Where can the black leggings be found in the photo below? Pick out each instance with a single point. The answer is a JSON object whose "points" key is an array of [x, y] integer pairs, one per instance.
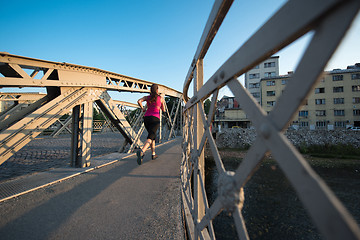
{"points": [[152, 124]]}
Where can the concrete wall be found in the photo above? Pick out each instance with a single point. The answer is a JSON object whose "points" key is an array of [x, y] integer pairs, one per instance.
{"points": [[239, 138]]}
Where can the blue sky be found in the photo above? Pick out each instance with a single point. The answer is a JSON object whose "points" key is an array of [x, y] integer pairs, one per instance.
{"points": [[151, 40]]}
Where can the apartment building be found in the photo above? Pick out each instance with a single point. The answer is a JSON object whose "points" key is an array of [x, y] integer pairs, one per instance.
{"points": [[334, 103], [229, 114], [268, 68]]}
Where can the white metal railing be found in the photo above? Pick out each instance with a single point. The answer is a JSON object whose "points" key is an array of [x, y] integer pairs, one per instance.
{"points": [[329, 20]]}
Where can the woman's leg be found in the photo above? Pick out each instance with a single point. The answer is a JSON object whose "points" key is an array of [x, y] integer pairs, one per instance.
{"points": [[153, 155], [153, 147], [147, 144]]}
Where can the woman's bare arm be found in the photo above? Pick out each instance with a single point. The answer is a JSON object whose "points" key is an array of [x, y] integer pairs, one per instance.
{"points": [[162, 104], [140, 101]]}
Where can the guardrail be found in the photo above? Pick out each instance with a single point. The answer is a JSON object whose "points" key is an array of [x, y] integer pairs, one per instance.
{"points": [[329, 20]]}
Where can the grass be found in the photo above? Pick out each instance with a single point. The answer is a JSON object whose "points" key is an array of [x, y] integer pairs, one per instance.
{"points": [[339, 151]]}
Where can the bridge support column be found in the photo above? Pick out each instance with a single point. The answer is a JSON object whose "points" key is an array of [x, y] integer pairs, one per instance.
{"points": [[82, 117]]}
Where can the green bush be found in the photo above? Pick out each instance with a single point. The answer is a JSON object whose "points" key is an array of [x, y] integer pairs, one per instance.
{"points": [[328, 150]]}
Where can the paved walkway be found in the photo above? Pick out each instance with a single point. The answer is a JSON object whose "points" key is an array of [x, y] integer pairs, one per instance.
{"points": [[45, 152], [118, 201]]}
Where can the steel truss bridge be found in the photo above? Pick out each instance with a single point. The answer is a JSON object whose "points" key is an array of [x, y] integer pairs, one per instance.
{"points": [[71, 89], [74, 88]]}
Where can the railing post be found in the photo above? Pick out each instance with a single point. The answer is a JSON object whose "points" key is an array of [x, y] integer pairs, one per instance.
{"points": [[199, 132]]}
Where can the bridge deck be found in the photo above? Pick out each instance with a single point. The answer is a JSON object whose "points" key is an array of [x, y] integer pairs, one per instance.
{"points": [[118, 201]]}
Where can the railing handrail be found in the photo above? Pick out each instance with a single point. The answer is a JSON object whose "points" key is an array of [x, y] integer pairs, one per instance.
{"points": [[217, 15]]}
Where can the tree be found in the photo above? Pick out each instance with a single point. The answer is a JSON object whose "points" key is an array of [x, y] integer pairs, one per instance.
{"points": [[97, 115], [207, 105]]}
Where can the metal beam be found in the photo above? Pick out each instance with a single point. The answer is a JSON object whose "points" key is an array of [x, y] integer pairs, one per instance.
{"points": [[69, 75], [23, 131]]}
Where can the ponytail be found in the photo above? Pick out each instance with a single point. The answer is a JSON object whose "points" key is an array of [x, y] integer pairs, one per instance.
{"points": [[153, 93]]}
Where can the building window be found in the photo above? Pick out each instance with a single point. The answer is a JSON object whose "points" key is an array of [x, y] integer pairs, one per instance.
{"points": [[269, 64], [338, 89], [321, 124], [320, 113], [338, 100], [254, 75], [270, 93], [356, 88], [304, 124], [356, 112], [284, 82], [320, 101], [256, 67], [338, 77], [254, 85], [319, 90], [256, 94], [355, 76], [270, 74], [270, 103], [339, 112], [340, 124], [303, 113], [356, 99], [270, 83]]}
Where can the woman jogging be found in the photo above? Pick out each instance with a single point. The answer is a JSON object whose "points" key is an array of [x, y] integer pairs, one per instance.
{"points": [[151, 120]]}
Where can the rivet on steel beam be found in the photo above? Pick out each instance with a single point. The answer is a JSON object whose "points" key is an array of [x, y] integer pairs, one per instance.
{"points": [[215, 80], [222, 74]]}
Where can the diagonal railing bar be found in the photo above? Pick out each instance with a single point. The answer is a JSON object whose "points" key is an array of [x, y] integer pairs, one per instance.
{"points": [[301, 18], [206, 203], [327, 212], [188, 215], [249, 164], [240, 224], [169, 121], [253, 110], [212, 212], [212, 106], [324, 208], [315, 49], [189, 175], [315, 195], [137, 137], [219, 165], [319, 51], [173, 124], [172, 109], [62, 127]]}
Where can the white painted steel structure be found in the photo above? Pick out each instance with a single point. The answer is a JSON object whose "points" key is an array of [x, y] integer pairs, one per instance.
{"points": [[329, 20], [70, 89]]}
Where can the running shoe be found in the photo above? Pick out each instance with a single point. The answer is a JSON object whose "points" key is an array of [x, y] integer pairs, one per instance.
{"points": [[140, 156]]}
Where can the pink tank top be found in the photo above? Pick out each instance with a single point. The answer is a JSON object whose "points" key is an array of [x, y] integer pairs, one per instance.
{"points": [[153, 108]]}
